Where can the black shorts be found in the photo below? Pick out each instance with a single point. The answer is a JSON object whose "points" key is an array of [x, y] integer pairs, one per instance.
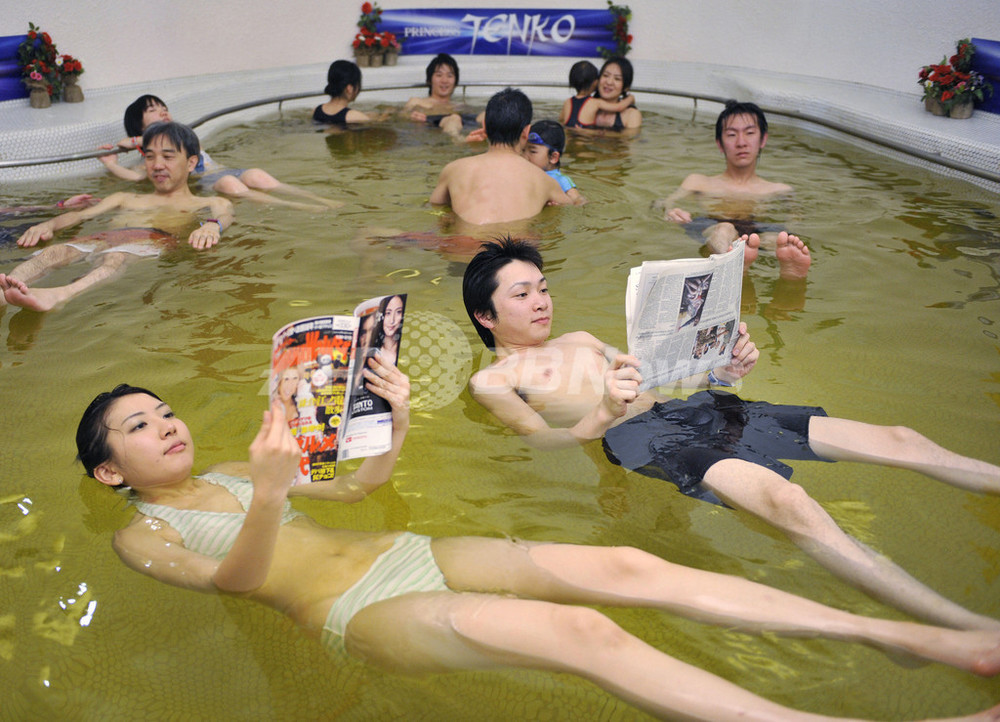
{"points": [[680, 439], [697, 227]]}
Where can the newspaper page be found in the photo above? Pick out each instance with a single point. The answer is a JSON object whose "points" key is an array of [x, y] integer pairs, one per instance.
{"points": [[682, 316], [310, 366], [369, 419]]}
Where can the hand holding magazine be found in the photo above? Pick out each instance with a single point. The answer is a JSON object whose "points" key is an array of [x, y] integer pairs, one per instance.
{"points": [[682, 316], [316, 366]]}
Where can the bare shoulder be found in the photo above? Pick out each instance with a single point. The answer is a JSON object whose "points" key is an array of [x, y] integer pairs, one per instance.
{"points": [[144, 534], [497, 376], [218, 204], [697, 183], [578, 338], [775, 188]]}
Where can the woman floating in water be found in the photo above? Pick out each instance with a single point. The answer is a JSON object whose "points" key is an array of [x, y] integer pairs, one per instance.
{"points": [[415, 605]]}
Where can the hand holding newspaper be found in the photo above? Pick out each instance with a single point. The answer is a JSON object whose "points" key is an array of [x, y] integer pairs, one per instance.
{"points": [[682, 316]]}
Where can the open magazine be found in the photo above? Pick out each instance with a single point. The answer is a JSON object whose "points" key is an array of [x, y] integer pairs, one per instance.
{"points": [[682, 316], [316, 366]]}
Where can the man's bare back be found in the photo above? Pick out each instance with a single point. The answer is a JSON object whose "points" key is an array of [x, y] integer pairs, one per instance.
{"points": [[497, 186]]}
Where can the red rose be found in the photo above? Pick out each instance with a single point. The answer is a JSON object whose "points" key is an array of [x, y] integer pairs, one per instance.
{"points": [[32, 35], [628, 39], [46, 39], [366, 8], [947, 95]]}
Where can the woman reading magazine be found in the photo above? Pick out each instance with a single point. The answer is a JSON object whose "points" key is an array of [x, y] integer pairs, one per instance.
{"points": [[416, 605]]}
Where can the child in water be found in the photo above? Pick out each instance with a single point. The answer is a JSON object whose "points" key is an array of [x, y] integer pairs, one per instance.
{"points": [[581, 110], [546, 142]]}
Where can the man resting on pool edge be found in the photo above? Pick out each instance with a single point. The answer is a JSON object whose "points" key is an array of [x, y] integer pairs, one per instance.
{"points": [[574, 388]]}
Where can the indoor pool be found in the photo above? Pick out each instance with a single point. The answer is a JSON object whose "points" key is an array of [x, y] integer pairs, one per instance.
{"points": [[899, 324]]}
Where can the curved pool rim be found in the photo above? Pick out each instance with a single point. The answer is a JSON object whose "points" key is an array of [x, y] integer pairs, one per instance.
{"points": [[62, 140]]}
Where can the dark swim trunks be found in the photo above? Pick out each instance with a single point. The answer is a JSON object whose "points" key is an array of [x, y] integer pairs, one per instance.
{"points": [[680, 439], [744, 227], [468, 120]]}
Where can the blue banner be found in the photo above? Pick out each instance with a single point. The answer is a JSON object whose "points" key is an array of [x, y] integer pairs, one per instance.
{"points": [[484, 31]]}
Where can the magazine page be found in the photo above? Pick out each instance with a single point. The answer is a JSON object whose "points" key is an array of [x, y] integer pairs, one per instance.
{"points": [[310, 367], [682, 315], [369, 419]]}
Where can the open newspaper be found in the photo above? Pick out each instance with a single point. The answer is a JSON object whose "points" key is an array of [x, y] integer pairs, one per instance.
{"points": [[316, 366], [682, 315]]}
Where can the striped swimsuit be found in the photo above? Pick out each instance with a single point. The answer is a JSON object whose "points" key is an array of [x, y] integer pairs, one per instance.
{"points": [[407, 566]]}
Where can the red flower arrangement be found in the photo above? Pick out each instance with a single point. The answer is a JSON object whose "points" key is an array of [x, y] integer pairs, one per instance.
{"points": [[371, 16], [69, 65], [368, 39], [619, 30], [953, 82], [41, 63]]}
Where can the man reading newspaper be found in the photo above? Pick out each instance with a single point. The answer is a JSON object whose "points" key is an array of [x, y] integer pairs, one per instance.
{"points": [[712, 445]]}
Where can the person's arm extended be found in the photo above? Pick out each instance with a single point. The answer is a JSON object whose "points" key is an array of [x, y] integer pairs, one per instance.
{"points": [[576, 197], [556, 195], [440, 195], [209, 232], [45, 231], [616, 106], [385, 380], [110, 162], [691, 185], [493, 388]]}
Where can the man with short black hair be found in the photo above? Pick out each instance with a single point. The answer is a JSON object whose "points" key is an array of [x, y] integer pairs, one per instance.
{"points": [[171, 153], [500, 185]]}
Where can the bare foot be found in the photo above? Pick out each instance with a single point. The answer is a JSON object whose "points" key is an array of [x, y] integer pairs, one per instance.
{"points": [[752, 249], [17, 293], [793, 256]]}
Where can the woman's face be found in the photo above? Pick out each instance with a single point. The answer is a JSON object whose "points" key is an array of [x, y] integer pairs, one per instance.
{"points": [[155, 113], [393, 317], [443, 82], [149, 445], [610, 85], [289, 383]]}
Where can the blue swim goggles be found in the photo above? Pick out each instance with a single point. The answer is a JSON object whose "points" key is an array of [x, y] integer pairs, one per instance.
{"points": [[536, 139]]}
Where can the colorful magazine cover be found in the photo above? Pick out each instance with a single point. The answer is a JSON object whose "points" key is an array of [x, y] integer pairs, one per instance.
{"points": [[316, 375]]}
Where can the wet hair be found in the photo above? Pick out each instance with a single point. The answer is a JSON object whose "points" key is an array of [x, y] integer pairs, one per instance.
{"points": [[341, 74], [182, 137], [378, 338], [734, 107], [507, 114], [625, 66], [582, 75], [439, 60], [552, 133], [92, 448], [482, 277], [135, 110]]}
